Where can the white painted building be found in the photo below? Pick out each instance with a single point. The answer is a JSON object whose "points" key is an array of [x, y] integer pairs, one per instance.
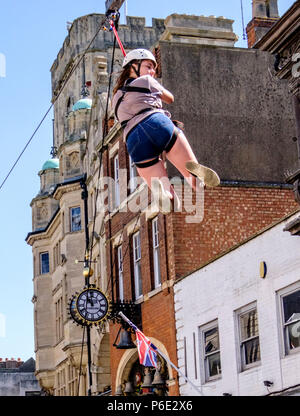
{"points": [[238, 333]]}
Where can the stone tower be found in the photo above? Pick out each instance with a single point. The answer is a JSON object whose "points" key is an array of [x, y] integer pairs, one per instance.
{"points": [[58, 212], [42, 206]]}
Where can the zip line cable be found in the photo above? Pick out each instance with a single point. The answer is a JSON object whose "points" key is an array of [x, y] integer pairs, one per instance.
{"points": [[243, 22], [56, 98], [104, 132], [27, 144]]}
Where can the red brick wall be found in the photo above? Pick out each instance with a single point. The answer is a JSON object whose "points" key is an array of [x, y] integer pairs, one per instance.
{"points": [[253, 24], [231, 215]]}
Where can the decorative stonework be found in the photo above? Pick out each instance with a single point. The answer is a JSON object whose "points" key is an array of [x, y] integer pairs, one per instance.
{"points": [[215, 31], [42, 212]]}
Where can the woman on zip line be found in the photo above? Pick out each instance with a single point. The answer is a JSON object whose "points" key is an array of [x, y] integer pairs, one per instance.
{"points": [[149, 130]]}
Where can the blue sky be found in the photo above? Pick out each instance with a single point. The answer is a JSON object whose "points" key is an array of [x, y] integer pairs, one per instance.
{"points": [[31, 34]]}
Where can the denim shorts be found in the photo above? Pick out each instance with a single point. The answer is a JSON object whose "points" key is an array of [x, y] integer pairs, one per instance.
{"points": [[150, 137]]}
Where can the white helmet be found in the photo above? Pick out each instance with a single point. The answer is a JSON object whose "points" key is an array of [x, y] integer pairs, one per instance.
{"points": [[138, 54]]}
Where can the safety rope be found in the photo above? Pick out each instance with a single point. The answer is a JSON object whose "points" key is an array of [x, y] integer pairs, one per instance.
{"points": [[117, 37]]}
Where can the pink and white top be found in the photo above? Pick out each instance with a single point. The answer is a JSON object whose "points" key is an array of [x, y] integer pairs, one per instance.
{"points": [[134, 102]]}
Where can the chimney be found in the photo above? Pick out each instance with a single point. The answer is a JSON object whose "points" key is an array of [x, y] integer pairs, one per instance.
{"points": [[264, 16]]}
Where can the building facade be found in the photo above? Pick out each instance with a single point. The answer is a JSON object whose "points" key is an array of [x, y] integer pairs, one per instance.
{"points": [[238, 335], [136, 253], [245, 342]]}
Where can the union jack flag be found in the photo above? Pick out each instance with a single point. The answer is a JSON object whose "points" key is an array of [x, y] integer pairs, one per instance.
{"points": [[146, 349]]}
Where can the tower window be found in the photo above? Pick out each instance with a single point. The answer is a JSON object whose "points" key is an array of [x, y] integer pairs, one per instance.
{"points": [[44, 263], [75, 219]]}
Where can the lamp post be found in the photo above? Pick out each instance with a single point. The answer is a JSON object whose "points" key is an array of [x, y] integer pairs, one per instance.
{"points": [[86, 274]]}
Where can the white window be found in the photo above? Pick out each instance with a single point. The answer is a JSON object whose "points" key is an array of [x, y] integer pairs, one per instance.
{"points": [[137, 265], [210, 347], [132, 176], [248, 336], [156, 254], [44, 263], [72, 380], [117, 181], [59, 319], [75, 219], [120, 273], [290, 312]]}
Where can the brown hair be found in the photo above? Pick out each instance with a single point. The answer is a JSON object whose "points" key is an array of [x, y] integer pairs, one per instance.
{"points": [[125, 74]]}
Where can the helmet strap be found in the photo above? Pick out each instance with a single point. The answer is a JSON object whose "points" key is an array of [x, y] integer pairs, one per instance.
{"points": [[138, 70]]}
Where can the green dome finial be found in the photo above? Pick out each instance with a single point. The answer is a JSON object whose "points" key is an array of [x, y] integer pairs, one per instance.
{"points": [[51, 164], [83, 104]]}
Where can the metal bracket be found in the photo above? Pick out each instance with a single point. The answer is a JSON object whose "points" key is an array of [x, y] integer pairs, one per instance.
{"points": [[113, 5]]}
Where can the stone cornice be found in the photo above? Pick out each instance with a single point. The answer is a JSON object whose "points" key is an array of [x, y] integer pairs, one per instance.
{"points": [[65, 188], [46, 232], [110, 136], [39, 198]]}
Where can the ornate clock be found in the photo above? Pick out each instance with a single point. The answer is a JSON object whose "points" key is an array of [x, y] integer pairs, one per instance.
{"points": [[89, 307]]}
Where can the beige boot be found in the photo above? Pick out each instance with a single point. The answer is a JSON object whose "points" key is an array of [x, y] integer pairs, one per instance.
{"points": [[161, 197], [205, 174]]}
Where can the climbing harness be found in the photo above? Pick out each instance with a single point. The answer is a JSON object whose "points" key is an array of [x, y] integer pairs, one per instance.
{"points": [[127, 88], [137, 55]]}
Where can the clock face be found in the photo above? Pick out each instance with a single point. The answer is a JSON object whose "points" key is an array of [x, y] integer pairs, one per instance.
{"points": [[92, 305]]}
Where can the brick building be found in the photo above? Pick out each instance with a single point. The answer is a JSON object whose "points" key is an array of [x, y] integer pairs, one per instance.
{"points": [[236, 121]]}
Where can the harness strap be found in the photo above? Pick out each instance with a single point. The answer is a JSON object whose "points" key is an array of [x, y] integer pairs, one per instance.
{"points": [[172, 141], [145, 110], [147, 164], [128, 88]]}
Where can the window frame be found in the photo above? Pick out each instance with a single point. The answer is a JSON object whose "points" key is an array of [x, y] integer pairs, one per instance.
{"points": [[120, 273], [281, 294], [72, 380], [138, 285], [71, 219], [59, 319], [156, 252], [116, 165], [242, 342], [61, 382], [41, 262], [133, 176], [204, 357]]}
